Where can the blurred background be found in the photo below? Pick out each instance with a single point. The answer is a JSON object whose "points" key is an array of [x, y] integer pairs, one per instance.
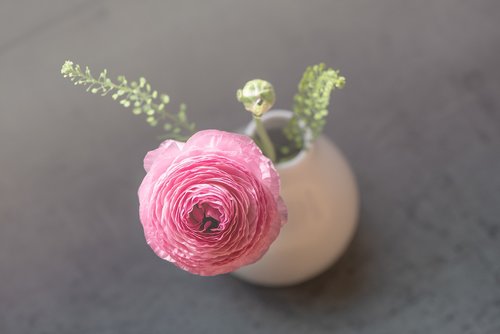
{"points": [[419, 120]]}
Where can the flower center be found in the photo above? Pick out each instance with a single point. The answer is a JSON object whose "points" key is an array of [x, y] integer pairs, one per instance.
{"points": [[206, 223], [213, 224]]}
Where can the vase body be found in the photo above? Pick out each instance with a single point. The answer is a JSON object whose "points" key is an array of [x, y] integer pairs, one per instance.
{"points": [[320, 192]]}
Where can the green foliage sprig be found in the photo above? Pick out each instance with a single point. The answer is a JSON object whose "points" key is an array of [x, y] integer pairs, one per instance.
{"points": [[137, 94], [311, 103]]}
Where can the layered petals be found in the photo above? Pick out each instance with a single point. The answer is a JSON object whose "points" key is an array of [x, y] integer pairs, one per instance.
{"points": [[212, 204]]}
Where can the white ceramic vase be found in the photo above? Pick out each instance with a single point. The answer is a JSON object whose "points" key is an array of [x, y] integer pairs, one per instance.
{"points": [[320, 192]]}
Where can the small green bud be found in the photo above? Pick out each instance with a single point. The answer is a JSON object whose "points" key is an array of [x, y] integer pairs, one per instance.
{"points": [[122, 80], [257, 96], [182, 115], [340, 83], [67, 68], [164, 98]]}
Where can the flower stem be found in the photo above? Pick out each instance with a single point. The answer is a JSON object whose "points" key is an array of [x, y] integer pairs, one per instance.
{"points": [[267, 144]]}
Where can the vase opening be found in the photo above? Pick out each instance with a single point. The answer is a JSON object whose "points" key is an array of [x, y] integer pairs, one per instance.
{"points": [[286, 151]]}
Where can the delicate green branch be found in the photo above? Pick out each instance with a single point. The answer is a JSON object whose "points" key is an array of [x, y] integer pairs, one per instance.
{"points": [[137, 95], [311, 103]]}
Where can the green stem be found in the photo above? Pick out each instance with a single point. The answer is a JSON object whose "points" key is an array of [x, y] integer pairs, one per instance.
{"points": [[267, 144]]}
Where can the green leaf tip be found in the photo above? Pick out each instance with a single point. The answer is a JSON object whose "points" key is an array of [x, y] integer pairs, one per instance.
{"points": [[136, 94], [67, 68]]}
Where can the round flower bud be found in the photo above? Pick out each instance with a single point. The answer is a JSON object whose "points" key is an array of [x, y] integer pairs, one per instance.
{"points": [[257, 96]]}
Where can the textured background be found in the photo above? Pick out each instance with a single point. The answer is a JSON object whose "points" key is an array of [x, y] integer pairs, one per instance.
{"points": [[419, 120]]}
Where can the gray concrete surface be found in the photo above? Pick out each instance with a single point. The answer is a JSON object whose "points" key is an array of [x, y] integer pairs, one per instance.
{"points": [[419, 121]]}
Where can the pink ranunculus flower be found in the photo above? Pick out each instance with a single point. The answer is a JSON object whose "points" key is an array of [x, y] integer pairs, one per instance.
{"points": [[212, 204]]}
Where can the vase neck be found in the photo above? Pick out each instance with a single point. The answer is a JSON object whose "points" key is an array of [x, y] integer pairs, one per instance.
{"points": [[277, 120]]}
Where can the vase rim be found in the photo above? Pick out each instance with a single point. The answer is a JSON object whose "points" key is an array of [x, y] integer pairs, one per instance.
{"points": [[278, 115]]}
